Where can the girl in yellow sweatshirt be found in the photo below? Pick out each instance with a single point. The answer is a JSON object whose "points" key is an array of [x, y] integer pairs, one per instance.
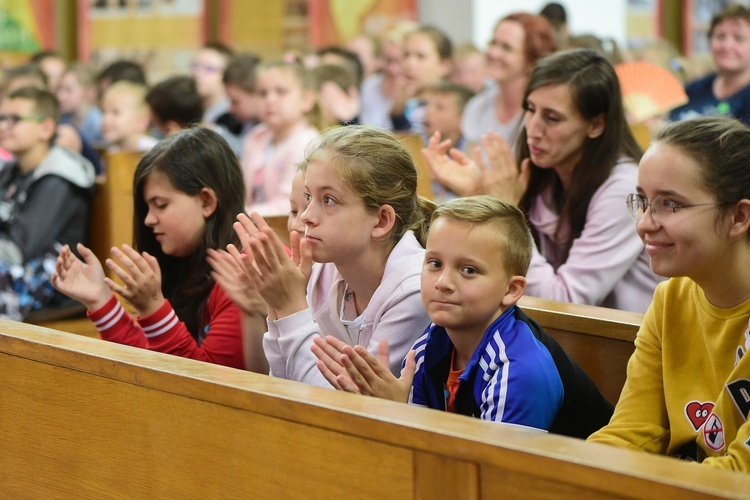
{"points": [[688, 386]]}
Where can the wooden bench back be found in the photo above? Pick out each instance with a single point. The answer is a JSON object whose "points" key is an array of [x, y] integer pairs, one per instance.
{"points": [[87, 418], [413, 144], [112, 210], [600, 340]]}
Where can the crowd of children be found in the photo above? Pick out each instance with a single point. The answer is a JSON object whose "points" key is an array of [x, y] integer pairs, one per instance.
{"points": [[379, 291]]}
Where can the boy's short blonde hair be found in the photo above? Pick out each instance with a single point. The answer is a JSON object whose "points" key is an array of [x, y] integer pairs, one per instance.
{"points": [[135, 90], [514, 236]]}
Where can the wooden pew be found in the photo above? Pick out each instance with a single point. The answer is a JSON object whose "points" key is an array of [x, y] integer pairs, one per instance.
{"points": [[600, 340], [278, 224], [112, 210], [413, 144], [87, 418]]}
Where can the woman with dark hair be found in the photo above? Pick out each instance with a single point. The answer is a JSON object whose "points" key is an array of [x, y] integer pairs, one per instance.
{"points": [[578, 161], [187, 191]]}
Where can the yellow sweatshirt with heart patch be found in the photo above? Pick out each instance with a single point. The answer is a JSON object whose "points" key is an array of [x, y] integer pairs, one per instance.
{"points": [[688, 381]]}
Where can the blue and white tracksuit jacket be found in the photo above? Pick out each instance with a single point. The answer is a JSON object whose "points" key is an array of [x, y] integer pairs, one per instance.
{"points": [[517, 374]]}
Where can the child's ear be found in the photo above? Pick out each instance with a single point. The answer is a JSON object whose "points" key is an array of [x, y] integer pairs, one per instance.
{"points": [[208, 202], [515, 290], [171, 127], [308, 100], [447, 65], [144, 120], [740, 219], [49, 127], [386, 220]]}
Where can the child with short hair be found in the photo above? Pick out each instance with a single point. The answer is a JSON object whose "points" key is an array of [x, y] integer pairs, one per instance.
{"points": [[445, 106], [175, 104], [186, 193], [53, 65], [481, 356], [338, 96], [208, 69], [45, 198], [77, 94], [126, 117], [469, 67], [273, 149], [239, 85]]}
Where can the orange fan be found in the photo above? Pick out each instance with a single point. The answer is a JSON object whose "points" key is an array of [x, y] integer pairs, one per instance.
{"points": [[648, 90]]}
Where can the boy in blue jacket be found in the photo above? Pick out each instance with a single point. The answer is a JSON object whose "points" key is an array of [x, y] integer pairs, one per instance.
{"points": [[481, 356]]}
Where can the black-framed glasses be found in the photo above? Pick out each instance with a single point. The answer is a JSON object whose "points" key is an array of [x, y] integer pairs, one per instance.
{"points": [[661, 207], [14, 119]]}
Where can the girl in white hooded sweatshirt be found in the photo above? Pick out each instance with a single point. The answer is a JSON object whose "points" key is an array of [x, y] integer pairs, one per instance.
{"points": [[365, 230]]}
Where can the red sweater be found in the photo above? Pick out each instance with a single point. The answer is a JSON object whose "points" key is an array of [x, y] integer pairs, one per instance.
{"points": [[164, 332]]}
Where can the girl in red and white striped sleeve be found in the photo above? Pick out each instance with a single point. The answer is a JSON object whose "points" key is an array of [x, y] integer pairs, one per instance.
{"points": [[187, 191]]}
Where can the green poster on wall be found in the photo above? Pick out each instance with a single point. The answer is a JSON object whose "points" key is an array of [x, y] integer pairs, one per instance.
{"points": [[18, 30]]}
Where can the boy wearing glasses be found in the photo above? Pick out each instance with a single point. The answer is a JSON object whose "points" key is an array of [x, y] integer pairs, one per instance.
{"points": [[45, 196], [208, 70]]}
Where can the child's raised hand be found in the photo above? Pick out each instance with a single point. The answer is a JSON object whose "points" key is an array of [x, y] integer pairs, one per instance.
{"points": [[235, 282], [342, 104], [141, 278], [82, 280], [453, 169], [502, 178], [280, 280]]}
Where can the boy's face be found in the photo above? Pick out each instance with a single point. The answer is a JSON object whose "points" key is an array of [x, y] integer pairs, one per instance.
{"points": [[71, 94], [208, 70], [243, 105], [29, 131], [123, 118], [464, 281], [442, 115]]}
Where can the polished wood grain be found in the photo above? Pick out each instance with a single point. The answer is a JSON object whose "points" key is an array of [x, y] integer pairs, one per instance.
{"points": [[599, 339], [87, 418], [112, 210], [413, 144], [278, 223]]}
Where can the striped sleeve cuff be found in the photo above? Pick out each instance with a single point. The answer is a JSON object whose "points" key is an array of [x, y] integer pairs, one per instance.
{"points": [[160, 322]]}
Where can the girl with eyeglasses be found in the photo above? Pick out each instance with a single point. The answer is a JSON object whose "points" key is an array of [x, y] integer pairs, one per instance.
{"points": [[578, 161], [689, 378]]}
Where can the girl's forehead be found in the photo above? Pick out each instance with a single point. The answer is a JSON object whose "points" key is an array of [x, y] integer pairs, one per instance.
{"points": [[324, 174], [665, 167], [157, 180]]}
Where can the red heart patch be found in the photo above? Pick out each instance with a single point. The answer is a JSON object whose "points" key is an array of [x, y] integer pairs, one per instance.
{"points": [[698, 413]]}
